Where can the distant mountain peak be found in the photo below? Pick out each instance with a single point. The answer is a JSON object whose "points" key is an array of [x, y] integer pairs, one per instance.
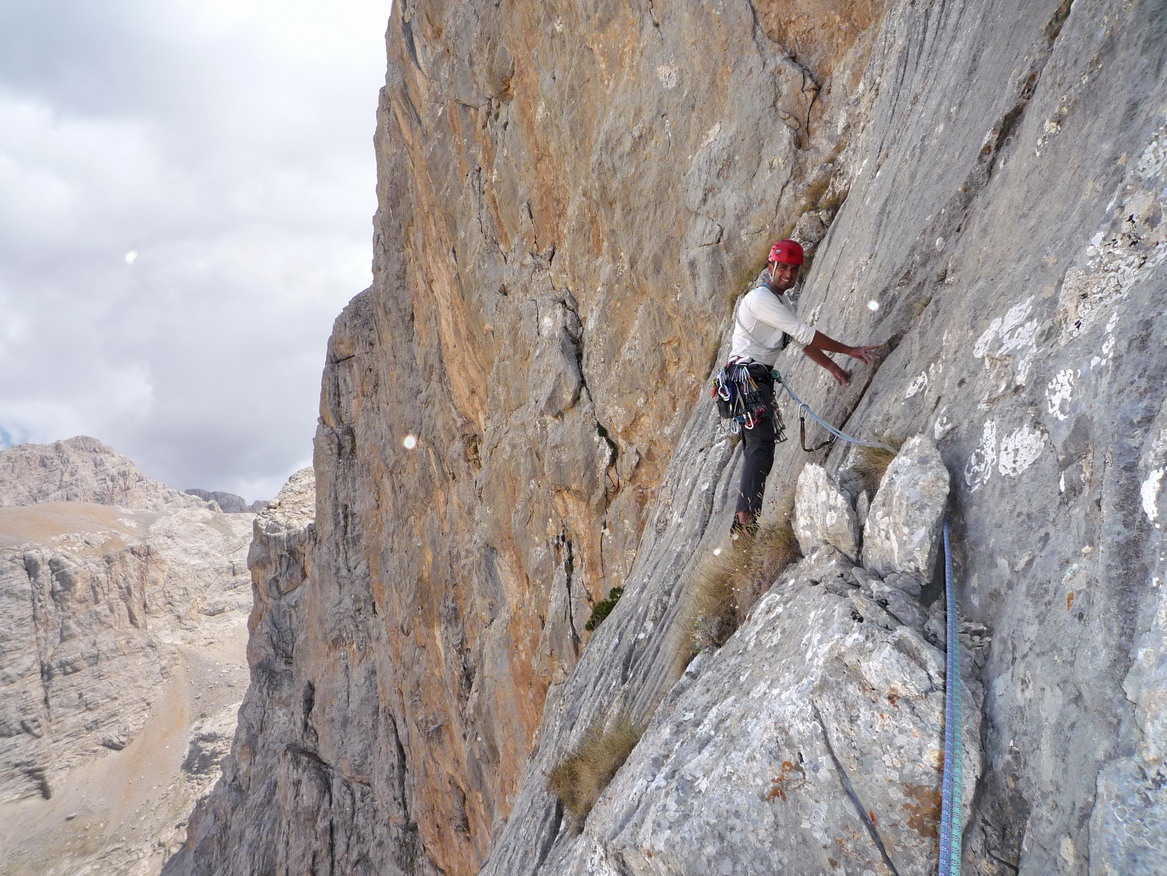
{"points": [[80, 469]]}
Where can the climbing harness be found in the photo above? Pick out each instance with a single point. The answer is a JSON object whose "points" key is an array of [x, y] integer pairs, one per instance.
{"points": [[951, 796], [742, 400]]}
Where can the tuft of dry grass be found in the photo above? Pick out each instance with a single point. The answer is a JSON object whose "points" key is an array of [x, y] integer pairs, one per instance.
{"points": [[727, 586], [580, 778], [871, 463]]}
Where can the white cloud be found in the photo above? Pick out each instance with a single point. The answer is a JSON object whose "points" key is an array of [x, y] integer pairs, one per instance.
{"points": [[228, 145]]}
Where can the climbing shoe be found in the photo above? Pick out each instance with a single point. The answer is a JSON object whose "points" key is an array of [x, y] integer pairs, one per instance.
{"points": [[737, 529]]}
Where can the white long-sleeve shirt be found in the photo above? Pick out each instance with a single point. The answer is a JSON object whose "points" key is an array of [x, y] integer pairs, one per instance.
{"points": [[761, 320]]}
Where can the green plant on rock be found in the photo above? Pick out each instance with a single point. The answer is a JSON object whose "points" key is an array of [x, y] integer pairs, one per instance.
{"points": [[580, 778], [603, 608]]}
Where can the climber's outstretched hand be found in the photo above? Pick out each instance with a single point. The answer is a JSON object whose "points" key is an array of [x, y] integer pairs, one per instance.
{"points": [[866, 355]]}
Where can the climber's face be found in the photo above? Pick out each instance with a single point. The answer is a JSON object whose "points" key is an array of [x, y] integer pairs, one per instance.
{"points": [[783, 276]]}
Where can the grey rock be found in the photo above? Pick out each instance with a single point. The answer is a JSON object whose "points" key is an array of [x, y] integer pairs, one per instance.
{"points": [[279, 746], [862, 507], [228, 503], [844, 746], [823, 513], [902, 533], [906, 583], [80, 469], [80, 666], [108, 614], [210, 742], [899, 594]]}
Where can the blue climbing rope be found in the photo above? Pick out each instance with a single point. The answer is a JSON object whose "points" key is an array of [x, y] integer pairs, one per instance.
{"points": [[950, 806], [803, 406]]}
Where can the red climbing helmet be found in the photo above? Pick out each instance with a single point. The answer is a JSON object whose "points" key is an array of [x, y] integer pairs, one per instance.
{"points": [[786, 252]]}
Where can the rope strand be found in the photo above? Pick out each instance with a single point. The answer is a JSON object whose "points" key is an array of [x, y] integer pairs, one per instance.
{"points": [[803, 406], [951, 799]]}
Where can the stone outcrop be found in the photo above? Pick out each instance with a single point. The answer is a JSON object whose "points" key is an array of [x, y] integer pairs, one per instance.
{"points": [[228, 502], [570, 199], [121, 629], [903, 527], [253, 794], [824, 514], [81, 469]]}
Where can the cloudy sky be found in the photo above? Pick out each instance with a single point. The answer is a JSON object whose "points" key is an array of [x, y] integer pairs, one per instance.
{"points": [[186, 201]]}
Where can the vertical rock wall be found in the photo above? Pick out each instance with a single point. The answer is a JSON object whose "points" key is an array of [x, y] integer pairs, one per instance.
{"points": [[570, 198]]}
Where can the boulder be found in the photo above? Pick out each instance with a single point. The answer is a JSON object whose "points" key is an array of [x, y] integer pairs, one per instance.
{"points": [[903, 526], [824, 513]]}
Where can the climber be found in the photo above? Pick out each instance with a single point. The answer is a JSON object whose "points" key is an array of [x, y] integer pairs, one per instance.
{"points": [[765, 316]]}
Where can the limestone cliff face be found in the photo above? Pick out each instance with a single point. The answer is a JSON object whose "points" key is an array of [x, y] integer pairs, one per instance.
{"points": [[122, 606], [571, 197]]}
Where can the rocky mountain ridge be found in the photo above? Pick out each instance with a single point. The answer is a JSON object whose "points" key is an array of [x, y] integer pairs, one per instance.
{"points": [[81, 469], [228, 502], [122, 623], [810, 742], [570, 199]]}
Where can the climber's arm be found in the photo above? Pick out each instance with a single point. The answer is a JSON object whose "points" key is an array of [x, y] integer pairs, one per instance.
{"points": [[820, 358], [821, 344], [863, 354]]}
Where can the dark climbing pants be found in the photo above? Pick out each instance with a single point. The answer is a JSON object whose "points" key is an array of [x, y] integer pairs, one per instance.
{"points": [[758, 450]]}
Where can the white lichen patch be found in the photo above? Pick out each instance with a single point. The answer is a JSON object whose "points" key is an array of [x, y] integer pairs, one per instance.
{"points": [[1150, 494], [918, 383], [668, 75], [1060, 392], [1019, 450], [981, 462], [1013, 335], [943, 425], [1107, 345], [923, 379]]}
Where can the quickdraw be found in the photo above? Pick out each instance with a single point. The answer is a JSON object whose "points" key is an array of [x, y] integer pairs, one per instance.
{"points": [[802, 411]]}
